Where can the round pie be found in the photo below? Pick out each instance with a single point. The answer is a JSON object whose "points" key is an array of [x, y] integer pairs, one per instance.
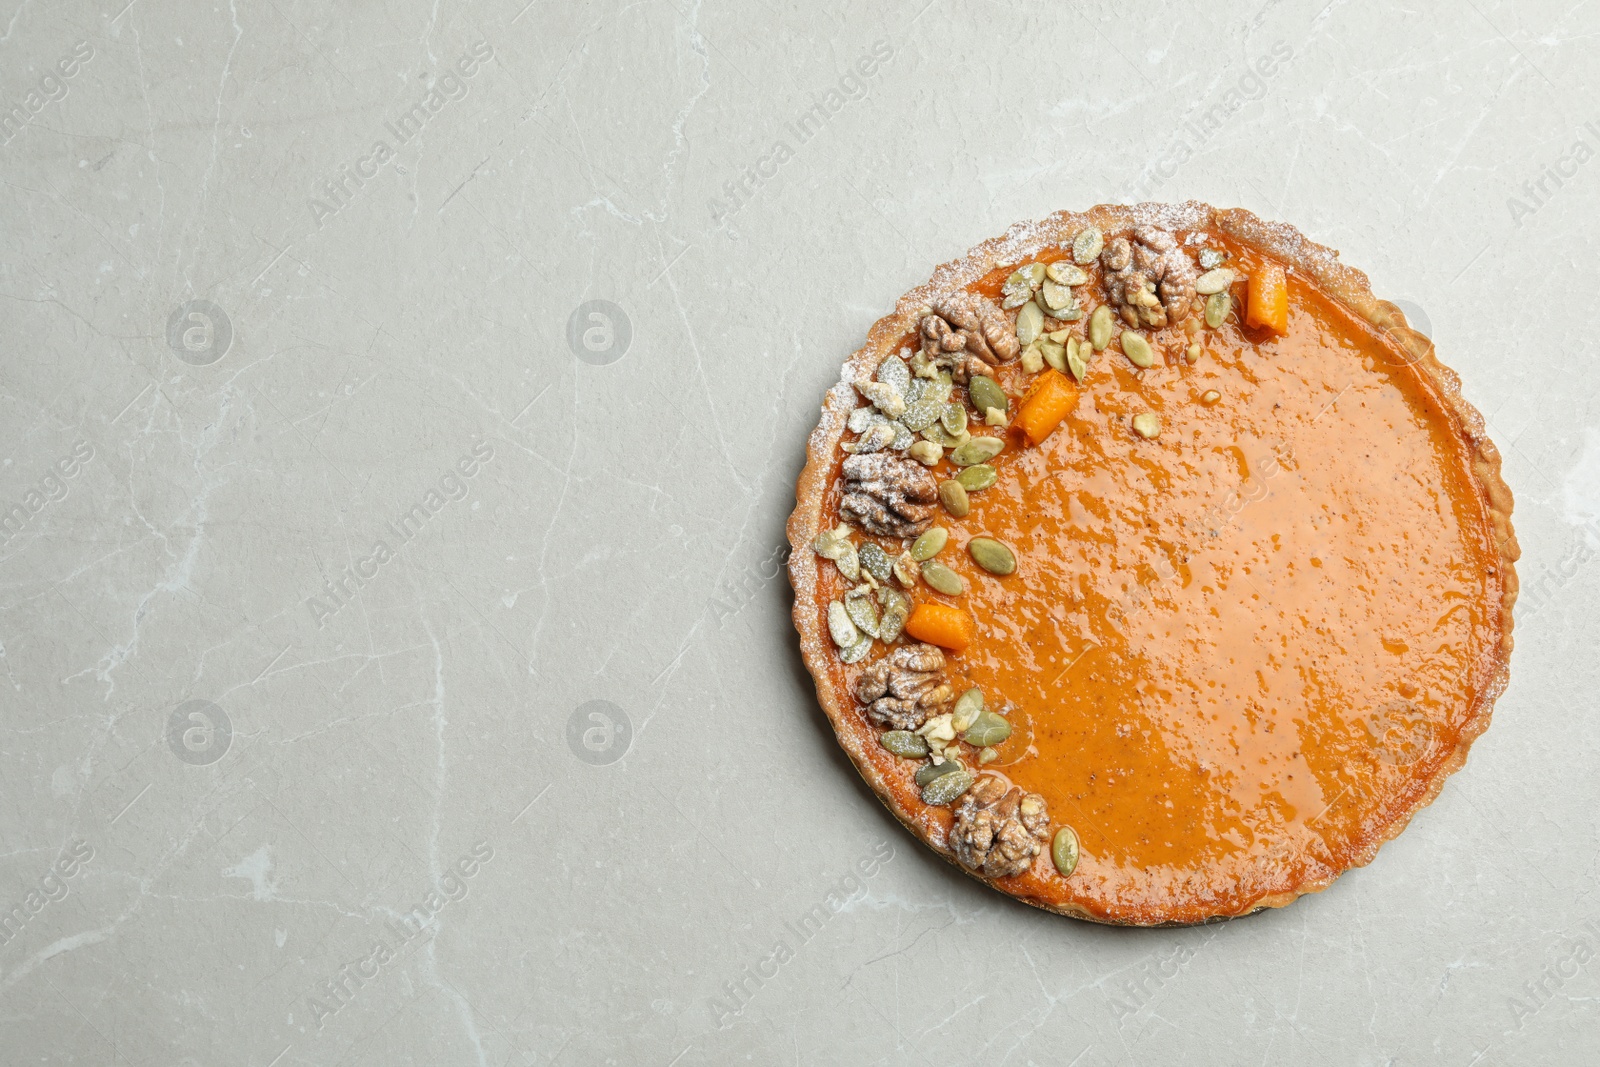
{"points": [[1149, 568]]}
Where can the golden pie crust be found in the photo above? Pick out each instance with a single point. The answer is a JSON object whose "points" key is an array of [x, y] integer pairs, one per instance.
{"points": [[1127, 894]]}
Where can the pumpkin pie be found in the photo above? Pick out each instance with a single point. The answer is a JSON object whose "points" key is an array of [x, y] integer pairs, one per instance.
{"points": [[1149, 568]]}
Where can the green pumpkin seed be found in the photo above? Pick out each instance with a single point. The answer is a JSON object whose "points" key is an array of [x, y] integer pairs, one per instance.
{"points": [[856, 652], [1054, 354], [977, 450], [942, 578], [840, 627], [1034, 272], [985, 393], [1030, 323], [922, 414], [896, 610], [894, 372], [930, 544], [954, 420], [1213, 281], [987, 729], [1065, 273], [1064, 851], [877, 561], [1147, 425], [977, 477], [1056, 296], [946, 788], [1100, 327], [967, 708], [1075, 363], [904, 743], [1211, 257], [862, 613], [1217, 307], [1087, 245], [992, 556], [932, 771], [1137, 349], [954, 498]]}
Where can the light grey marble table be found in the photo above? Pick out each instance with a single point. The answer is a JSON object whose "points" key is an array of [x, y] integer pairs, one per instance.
{"points": [[395, 661]]}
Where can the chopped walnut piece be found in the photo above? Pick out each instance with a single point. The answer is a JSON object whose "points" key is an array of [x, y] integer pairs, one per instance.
{"points": [[968, 334], [888, 495], [903, 687], [998, 830], [1150, 280]]}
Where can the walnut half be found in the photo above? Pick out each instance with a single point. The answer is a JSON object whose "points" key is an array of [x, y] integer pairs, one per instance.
{"points": [[968, 333], [888, 495], [902, 688], [998, 831], [1150, 280]]}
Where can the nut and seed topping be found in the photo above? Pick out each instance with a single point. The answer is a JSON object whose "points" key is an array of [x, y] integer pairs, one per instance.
{"points": [[903, 688], [930, 544], [1149, 279], [1147, 424], [977, 450], [988, 729], [1056, 297], [1063, 273], [1211, 257], [1033, 358], [1213, 281], [876, 561], [965, 331], [977, 477], [904, 743], [954, 420], [1054, 354], [928, 772], [859, 607], [986, 395], [1087, 245], [1064, 851], [1209, 397], [888, 495], [1192, 353], [992, 556], [1218, 305], [840, 628], [835, 545], [926, 453], [965, 711], [954, 498], [1137, 349], [946, 788], [942, 578], [997, 830], [1075, 361], [1100, 327], [1030, 323], [896, 610]]}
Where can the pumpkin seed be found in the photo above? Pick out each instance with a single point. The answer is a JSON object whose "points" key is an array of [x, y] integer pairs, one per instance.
{"points": [[942, 578], [1217, 307], [856, 652], [1054, 354], [946, 788], [992, 556], [896, 610], [1056, 296], [985, 393], [987, 729], [902, 437], [1209, 397], [1034, 272], [954, 419], [1069, 314], [987, 756], [937, 434], [937, 389], [922, 414], [928, 772], [849, 563], [917, 390], [1065, 273], [1211, 257], [1087, 245], [1030, 322], [977, 450], [1147, 425], [840, 628], [1016, 291], [904, 743], [954, 498], [1075, 363], [894, 373], [1100, 327], [930, 544], [968, 707], [1137, 349], [1064, 851], [1213, 281], [830, 544], [976, 477], [865, 617], [877, 561], [865, 418]]}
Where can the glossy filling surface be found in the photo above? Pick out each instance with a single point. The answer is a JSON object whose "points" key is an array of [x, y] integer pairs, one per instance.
{"points": [[1236, 653]]}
